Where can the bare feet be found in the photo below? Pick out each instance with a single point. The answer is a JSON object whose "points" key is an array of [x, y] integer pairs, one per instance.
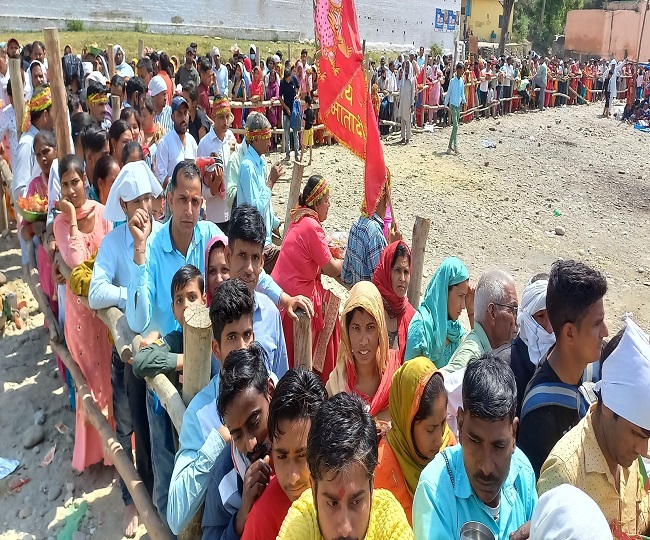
{"points": [[130, 521]]}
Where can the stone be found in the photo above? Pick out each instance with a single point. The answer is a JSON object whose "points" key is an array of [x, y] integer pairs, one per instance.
{"points": [[3, 279], [39, 416], [640, 270], [78, 535], [581, 252], [487, 163], [54, 492], [29, 537], [37, 449], [560, 231], [280, 200], [69, 487], [32, 436], [25, 512]]}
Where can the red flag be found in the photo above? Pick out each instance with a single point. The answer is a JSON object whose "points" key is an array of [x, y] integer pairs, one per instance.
{"points": [[343, 92]]}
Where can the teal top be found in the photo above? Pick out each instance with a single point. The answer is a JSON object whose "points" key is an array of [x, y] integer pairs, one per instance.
{"points": [[431, 326]]}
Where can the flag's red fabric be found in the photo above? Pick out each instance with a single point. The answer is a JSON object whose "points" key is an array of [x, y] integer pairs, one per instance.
{"points": [[343, 92]]}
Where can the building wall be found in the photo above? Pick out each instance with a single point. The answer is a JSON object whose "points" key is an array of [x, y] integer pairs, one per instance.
{"points": [[412, 23], [483, 19], [608, 33]]}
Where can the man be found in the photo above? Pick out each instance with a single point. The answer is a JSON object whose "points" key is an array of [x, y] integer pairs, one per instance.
{"points": [[181, 241], [97, 104], [342, 456], [132, 190], [366, 241], [145, 70], [118, 88], [387, 87], [486, 478], [163, 112], [539, 81], [535, 336], [177, 145], [136, 91], [13, 48], [454, 98], [242, 471], [421, 58], [205, 75], [303, 60], [253, 186], [296, 400], [554, 401], [187, 72], [220, 73], [8, 124], [508, 81], [495, 319], [289, 86], [601, 455], [219, 141]]}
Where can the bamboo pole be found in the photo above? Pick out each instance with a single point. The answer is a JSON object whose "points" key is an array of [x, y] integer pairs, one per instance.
{"points": [[111, 61], [124, 465], [30, 273], [116, 105], [420, 235], [6, 178], [302, 347], [169, 397], [17, 92], [140, 49], [197, 351], [294, 192], [59, 97]]}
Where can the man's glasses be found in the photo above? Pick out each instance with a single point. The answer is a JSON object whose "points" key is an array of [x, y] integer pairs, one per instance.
{"points": [[512, 309]]}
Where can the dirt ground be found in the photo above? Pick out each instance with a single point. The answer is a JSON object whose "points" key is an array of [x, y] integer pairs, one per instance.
{"points": [[492, 207]]}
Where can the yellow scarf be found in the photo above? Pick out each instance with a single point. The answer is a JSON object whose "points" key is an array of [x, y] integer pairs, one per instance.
{"points": [[406, 392], [387, 519]]}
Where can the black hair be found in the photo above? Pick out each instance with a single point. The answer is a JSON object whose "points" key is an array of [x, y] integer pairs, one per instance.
{"points": [[132, 147], [145, 63], [304, 51], [71, 163], [308, 99], [279, 54], [128, 113], [312, 182], [247, 224], [154, 57], [38, 44], [188, 169], [148, 104], [74, 102], [400, 251], [435, 387], [298, 396], [118, 80], [342, 433], [79, 122], [192, 90], [165, 64], [287, 73], [94, 139], [230, 303], [102, 168], [242, 369], [539, 277], [117, 129], [489, 389], [610, 346], [183, 276], [133, 85], [45, 137], [96, 88], [573, 287], [350, 314], [9, 90], [205, 65]]}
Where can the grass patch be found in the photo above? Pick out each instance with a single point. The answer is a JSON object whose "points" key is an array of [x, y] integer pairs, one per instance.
{"points": [[74, 25], [140, 27]]}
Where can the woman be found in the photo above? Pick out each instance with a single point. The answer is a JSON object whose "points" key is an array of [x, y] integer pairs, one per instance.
{"points": [[434, 94], [238, 93], [79, 230], [121, 65], [305, 254], [470, 92], [132, 118], [419, 430], [376, 102], [256, 90], [364, 364], [273, 114], [435, 331], [216, 268], [34, 77], [392, 277], [119, 134], [106, 170], [152, 132]]}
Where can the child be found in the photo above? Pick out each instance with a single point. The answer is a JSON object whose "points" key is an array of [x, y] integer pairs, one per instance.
{"points": [[216, 269], [490, 99], [308, 133], [79, 230]]}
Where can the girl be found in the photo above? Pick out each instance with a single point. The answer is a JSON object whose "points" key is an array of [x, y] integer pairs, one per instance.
{"points": [[79, 230], [256, 89], [106, 171], [132, 118], [216, 268], [238, 94], [119, 134]]}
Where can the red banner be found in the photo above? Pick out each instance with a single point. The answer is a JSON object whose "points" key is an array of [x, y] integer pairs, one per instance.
{"points": [[343, 92]]}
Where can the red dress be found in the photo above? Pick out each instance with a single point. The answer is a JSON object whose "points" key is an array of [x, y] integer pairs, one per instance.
{"points": [[266, 517]]}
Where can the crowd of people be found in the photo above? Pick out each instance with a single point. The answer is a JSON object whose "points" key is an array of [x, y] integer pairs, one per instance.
{"points": [[408, 426]]}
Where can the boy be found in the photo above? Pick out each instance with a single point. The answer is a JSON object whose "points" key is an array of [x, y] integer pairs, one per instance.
{"points": [[308, 134], [202, 437], [295, 402]]}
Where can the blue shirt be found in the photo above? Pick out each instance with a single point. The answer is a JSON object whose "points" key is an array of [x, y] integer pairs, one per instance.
{"points": [[267, 326], [441, 508], [111, 277], [149, 301], [252, 189], [165, 119], [456, 93], [366, 242]]}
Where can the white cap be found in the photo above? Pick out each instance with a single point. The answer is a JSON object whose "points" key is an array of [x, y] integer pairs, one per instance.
{"points": [[626, 377], [135, 179], [215, 51], [96, 77], [157, 85]]}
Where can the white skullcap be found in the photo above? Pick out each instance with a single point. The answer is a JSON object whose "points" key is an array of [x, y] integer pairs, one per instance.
{"points": [[157, 85], [567, 513], [135, 179], [215, 51], [88, 67], [538, 340], [626, 377], [96, 77]]}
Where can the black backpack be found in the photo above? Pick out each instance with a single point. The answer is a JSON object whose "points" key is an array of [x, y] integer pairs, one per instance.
{"points": [[72, 69]]}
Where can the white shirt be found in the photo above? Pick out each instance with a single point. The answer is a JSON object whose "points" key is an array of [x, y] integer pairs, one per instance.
{"points": [[25, 166], [8, 128], [509, 71], [483, 87], [216, 208], [4, 79], [171, 152]]}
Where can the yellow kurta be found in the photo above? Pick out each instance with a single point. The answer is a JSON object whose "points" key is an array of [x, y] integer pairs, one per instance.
{"points": [[578, 460]]}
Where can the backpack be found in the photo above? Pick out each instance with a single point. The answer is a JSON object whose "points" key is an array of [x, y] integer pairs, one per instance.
{"points": [[72, 69], [296, 115]]}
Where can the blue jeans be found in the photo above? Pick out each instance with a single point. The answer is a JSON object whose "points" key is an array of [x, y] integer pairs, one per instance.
{"points": [[286, 125], [162, 452], [122, 414]]}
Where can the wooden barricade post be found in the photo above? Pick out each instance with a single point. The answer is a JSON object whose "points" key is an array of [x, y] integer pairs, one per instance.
{"points": [[116, 105], [59, 96], [6, 177], [302, 346], [420, 235], [17, 92], [111, 61], [294, 192], [140, 49], [197, 351]]}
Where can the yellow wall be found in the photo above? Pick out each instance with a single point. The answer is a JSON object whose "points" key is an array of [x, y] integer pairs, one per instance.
{"points": [[484, 18]]}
